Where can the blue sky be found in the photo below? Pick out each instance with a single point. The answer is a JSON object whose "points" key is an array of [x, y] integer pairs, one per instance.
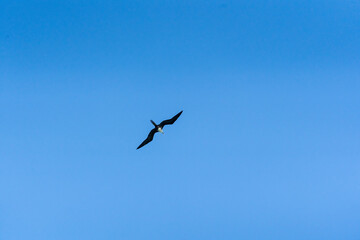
{"points": [[267, 146]]}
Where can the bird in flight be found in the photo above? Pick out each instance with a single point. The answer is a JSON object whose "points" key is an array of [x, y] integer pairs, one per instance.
{"points": [[158, 128]]}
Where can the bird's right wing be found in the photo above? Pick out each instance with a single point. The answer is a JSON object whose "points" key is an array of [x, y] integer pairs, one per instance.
{"points": [[170, 121], [148, 139]]}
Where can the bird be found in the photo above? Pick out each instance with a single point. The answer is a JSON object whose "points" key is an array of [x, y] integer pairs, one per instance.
{"points": [[158, 128]]}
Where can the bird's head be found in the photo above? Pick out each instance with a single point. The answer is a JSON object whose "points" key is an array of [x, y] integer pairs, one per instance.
{"points": [[160, 130]]}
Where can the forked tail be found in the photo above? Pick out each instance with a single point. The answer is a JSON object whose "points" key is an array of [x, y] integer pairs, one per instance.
{"points": [[153, 123]]}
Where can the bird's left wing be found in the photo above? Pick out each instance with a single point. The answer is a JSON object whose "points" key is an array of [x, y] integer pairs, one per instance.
{"points": [[170, 121], [148, 139]]}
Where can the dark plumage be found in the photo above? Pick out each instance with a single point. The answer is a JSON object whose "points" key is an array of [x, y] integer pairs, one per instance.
{"points": [[158, 128]]}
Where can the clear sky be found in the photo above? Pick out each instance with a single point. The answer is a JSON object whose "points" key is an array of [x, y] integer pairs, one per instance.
{"points": [[268, 145]]}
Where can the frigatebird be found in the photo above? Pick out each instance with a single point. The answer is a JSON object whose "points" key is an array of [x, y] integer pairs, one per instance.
{"points": [[158, 128]]}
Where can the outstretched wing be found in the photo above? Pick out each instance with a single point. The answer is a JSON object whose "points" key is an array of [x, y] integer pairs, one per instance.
{"points": [[148, 139], [170, 121]]}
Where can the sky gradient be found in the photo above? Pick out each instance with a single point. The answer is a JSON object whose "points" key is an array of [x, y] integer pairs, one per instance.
{"points": [[268, 145]]}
